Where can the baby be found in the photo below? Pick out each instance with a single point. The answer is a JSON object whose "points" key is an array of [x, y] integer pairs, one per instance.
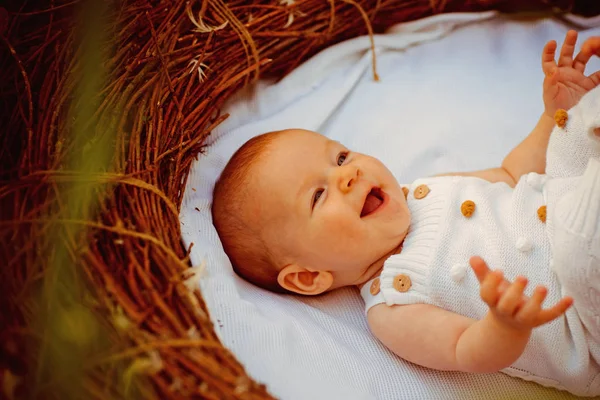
{"points": [[299, 213]]}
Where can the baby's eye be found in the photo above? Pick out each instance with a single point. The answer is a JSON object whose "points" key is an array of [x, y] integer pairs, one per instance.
{"points": [[342, 157], [316, 197]]}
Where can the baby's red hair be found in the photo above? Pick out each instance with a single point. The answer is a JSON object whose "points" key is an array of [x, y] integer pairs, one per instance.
{"points": [[240, 232]]}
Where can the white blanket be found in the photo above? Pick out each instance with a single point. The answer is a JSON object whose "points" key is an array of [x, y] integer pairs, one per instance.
{"points": [[457, 93]]}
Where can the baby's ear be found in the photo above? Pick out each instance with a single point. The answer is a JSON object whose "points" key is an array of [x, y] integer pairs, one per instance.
{"points": [[302, 281]]}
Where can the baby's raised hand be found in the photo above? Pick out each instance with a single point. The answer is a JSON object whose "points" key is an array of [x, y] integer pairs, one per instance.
{"points": [[565, 82], [508, 303]]}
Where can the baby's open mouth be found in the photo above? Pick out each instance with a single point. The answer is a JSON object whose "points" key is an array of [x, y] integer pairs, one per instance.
{"points": [[373, 201]]}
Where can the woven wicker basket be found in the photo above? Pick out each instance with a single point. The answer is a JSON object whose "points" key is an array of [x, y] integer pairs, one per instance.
{"points": [[104, 108]]}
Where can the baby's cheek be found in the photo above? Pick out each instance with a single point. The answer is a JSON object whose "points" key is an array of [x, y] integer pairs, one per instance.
{"points": [[342, 230]]}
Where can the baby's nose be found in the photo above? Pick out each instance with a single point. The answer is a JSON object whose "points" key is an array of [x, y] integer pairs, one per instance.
{"points": [[348, 176]]}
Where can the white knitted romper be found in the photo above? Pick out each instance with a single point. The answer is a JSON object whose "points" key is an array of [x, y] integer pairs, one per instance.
{"points": [[510, 231]]}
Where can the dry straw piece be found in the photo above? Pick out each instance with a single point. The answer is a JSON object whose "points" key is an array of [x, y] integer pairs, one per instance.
{"points": [[101, 121]]}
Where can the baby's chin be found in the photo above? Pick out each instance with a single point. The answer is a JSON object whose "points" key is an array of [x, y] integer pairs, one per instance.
{"points": [[402, 225]]}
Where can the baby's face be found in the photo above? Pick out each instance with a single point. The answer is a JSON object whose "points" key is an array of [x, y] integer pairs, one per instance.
{"points": [[324, 207]]}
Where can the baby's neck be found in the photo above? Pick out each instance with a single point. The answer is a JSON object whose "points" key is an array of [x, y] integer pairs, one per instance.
{"points": [[375, 268]]}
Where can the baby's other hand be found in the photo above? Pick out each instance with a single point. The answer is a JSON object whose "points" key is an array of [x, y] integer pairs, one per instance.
{"points": [[565, 83], [507, 302]]}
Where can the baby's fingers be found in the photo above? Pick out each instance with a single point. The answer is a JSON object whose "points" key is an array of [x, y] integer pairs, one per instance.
{"points": [[590, 47], [479, 267], [548, 63], [512, 297], [489, 288], [528, 314], [554, 312], [566, 52]]}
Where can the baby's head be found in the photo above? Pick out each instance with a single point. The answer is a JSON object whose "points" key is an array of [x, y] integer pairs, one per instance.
{"points": [[298, 212]]}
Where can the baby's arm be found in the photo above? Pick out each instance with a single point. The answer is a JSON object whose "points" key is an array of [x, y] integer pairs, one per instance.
{"points": [[564, 84], [528, 156], [435, 338], [439, 339]]}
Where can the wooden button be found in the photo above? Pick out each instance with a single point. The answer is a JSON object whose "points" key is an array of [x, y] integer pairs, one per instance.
{"points": [[374, 287], [561, 117], [467, 208], [421, 191], [402, 283], [405, 191], [542, 213]]}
